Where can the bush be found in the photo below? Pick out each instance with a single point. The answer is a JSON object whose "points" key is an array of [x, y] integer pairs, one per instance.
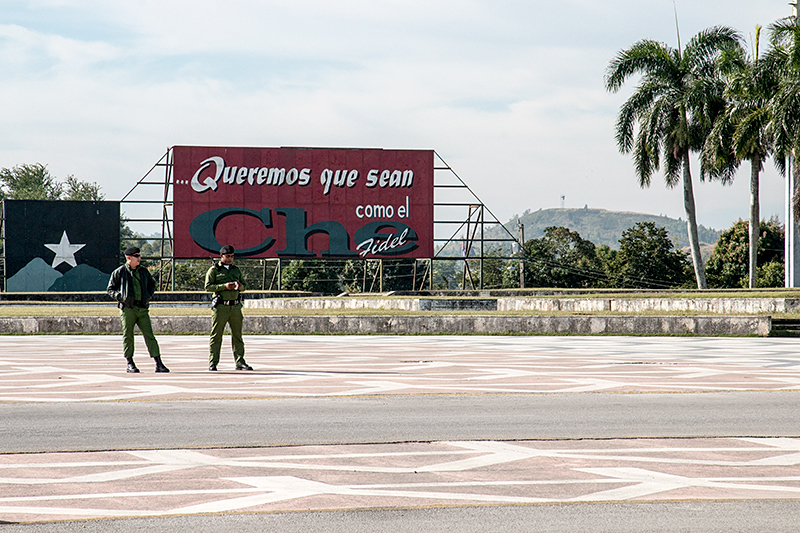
{"points": [[728, 266], [770, 275]]}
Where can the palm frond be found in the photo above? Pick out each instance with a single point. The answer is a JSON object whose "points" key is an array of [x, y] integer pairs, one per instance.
{"points": [[704, 46], [644, 57], [636, 105]]}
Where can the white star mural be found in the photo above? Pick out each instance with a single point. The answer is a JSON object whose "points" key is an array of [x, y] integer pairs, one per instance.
{"points": [[65, 251]]}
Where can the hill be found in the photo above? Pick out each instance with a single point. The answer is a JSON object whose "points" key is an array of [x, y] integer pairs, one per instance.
{"points": [[602, 226]]}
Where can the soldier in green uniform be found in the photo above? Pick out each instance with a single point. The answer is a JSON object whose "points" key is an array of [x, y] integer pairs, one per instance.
{"points": [[225, 279], [132, 287]]}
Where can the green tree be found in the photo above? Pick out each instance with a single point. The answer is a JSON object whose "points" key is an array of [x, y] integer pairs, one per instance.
{"points": [[771, 275], [607, 257], [494, 267], [744, 131], [191, 275], [671, 111], [34, 182], [29, 182], [257, 272], [728, 265], [398, 275], [77, 190], [561, 258], [784, 59], [357, 275], [511, 274], [647, 259], [446, 274], [322, 276]]}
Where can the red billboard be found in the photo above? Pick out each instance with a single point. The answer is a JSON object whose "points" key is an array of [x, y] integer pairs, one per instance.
{"points": [[301, 203]]}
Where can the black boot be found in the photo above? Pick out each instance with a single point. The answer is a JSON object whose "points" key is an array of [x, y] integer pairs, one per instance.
{"points": [[132, 367], [160, 366]]}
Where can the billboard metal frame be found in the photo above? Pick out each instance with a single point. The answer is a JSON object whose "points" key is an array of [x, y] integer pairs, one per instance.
{"points": [[453, 230]]}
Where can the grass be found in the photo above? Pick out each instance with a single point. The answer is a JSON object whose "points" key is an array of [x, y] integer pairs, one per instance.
{"points": [[75, 310], [68, 309], [637, 293]]}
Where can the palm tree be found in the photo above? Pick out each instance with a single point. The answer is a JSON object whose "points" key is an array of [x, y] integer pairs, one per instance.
{"points": [[671, 111], [744, 131], [784, 59]]}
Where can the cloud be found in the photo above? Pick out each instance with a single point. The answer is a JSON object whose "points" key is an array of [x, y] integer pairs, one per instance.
{"points": [[509, 92], [23, 51]]}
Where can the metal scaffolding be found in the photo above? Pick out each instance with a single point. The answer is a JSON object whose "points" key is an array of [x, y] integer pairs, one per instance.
{"points": [[464, 227]]}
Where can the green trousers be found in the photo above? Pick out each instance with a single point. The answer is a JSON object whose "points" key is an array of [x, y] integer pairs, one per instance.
{"points": [[221, 315], [137, 316]]}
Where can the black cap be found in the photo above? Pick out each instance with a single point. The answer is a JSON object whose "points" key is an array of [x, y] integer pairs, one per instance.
{"points": [[227, 249], [130, 250]]}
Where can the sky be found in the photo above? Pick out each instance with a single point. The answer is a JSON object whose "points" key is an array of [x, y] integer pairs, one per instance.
{"points": [[509, 93]]}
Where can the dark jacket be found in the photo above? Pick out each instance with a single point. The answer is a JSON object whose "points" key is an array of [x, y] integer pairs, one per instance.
{"points": [[120, 286]]}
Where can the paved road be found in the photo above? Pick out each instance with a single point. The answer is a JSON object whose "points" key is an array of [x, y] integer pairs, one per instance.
{"points": [[386, 419], [447, 432]]}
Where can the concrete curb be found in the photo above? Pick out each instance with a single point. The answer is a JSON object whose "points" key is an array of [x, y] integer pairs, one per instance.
{"points": [[741, 306], [416, 324], [725, 306]]}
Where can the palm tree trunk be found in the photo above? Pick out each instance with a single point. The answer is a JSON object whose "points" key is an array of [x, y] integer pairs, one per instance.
{"points": [[691, 224], [755, 220], [793, 218], [796, 194]]}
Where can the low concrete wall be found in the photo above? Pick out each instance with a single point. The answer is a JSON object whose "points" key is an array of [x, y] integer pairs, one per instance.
{"points": [[457, 304], [744, 306], [517, 324], [160, 296], [402, 304], [727, 306], [417, 324]]}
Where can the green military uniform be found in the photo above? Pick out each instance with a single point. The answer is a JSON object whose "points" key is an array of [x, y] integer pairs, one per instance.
{"points": [[229, 311]]}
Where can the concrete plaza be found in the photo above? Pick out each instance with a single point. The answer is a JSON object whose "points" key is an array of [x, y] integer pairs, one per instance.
{"points": [[67, 468]]}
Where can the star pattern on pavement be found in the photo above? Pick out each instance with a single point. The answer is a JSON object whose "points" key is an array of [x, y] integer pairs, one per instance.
{"points": [[65, 251], [170, 482], [457, 473], [81, 370]]}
